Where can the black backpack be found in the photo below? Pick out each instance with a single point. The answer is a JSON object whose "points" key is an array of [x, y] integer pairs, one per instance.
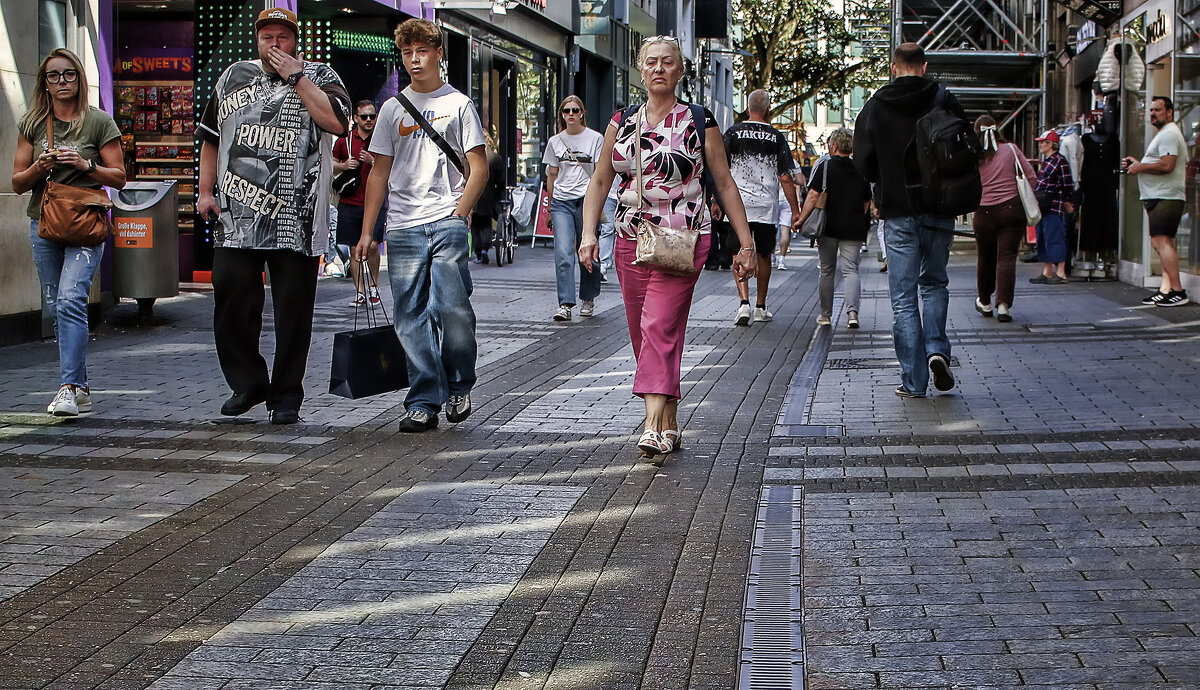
{"points": [[947, 152]]}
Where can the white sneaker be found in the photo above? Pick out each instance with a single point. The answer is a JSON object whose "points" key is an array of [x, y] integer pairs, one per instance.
{"points": [[563, 313], [782, 266], [374, 296], [823, 320], [64, 404], [83, 399], [587, 307], [358, 301], [761, 314], [743, 316]]}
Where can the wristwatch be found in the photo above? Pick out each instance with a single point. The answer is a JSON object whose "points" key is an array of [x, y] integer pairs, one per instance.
{"points": [[294, 79], [91, 167]]}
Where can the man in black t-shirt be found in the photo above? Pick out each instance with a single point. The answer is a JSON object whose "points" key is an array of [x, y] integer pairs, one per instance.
{"points": [[760, 161]]}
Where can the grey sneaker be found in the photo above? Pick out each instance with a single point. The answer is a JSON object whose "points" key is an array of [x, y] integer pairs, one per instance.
{"points": [[563, 313], [83, 398], [761, 314], [416, 420], [458, 408], [587, 308], [63, 404]]}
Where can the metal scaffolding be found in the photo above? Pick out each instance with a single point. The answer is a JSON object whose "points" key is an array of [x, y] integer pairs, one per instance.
{"points": [[991, 53]]}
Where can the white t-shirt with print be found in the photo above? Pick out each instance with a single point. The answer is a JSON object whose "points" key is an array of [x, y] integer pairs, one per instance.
{"points": [[575, 157], [1168, 142], [423, 185]]}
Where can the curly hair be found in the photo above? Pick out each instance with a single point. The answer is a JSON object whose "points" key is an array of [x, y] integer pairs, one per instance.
{"points": [[414, 31]]}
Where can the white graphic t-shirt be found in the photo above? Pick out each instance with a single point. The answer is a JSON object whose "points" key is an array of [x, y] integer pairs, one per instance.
{"points": [[1168, 142], [758, 155], [424, 186], [575, 157], [274, 164]]}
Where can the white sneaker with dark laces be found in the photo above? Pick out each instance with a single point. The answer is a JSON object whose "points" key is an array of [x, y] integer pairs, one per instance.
{"points": [[563, 313], [458, 408], [587, 308], [64, 404]]}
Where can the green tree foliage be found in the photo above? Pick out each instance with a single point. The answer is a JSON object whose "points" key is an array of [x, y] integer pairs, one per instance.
{"points": [[805, 49]]}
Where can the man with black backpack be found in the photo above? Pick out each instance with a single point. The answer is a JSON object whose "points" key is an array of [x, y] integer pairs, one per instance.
{"points": [[913, 142]]}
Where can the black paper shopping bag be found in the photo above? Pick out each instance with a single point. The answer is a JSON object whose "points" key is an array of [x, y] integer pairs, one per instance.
{"points": [[367, 361]]}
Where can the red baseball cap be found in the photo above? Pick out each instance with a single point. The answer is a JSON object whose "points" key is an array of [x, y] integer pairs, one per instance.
{"points": [[1049, 135]]}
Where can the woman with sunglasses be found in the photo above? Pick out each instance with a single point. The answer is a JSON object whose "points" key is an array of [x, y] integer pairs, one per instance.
{"points": [[86, 153], [570, 160], [671, 193]]}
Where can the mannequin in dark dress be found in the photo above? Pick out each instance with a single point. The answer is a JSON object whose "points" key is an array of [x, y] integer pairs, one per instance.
{"points": [[1099, 179]]}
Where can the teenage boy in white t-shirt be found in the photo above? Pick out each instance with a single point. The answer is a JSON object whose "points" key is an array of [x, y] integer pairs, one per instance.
{"points": [[429, 202]]}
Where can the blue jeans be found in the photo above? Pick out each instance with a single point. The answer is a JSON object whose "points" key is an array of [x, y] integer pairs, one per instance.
{"points": [[431, 285], [918, 248], [608, 234], [568, 226], [66, 274], [1052, 239]]}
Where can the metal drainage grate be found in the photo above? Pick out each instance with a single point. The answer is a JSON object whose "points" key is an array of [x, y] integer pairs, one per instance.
{"points": [[871, 363], [772, 656]]}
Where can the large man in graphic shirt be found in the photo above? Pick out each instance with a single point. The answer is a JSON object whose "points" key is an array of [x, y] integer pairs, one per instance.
{"points": [[267, 154]]}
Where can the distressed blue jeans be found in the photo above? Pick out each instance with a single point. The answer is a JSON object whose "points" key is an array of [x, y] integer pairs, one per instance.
{"points": [[431, 285], [608, 234], [568, 232], [66, 274], [918, 248]]}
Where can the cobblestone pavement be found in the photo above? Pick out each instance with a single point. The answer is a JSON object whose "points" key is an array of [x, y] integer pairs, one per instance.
{"points": [[1034, 527]]}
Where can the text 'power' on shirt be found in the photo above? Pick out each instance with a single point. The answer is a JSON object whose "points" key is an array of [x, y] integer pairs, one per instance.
{"points": [[423, 185], [575, 157], [274, 164]]}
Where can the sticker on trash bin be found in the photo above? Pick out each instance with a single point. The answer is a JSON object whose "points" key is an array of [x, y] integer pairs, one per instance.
{"points": [[134, 233]]}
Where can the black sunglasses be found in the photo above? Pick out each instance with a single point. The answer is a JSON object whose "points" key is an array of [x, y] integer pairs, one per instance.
{"points": [[572, 111], [367, 116]]}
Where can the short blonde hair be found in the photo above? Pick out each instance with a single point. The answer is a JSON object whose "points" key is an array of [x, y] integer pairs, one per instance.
{"points": [[656, 40], [843, 140]]}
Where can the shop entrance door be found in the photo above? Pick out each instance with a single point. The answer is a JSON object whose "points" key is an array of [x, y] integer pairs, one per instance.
{"points": [[504, 110]]}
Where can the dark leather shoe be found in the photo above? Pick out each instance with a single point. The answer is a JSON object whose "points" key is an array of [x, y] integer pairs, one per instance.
{"points": [[241, 403], [285, 416]]}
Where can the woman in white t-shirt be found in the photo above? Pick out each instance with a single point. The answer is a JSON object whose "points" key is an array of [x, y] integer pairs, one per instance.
{"points": [[570, 160]]}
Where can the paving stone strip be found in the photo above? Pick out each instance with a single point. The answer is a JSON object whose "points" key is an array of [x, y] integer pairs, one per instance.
{"points": [[398, 601], [53, 518]]}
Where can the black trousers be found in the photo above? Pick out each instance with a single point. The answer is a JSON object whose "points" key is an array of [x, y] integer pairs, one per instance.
{"points": [[237, 321]]}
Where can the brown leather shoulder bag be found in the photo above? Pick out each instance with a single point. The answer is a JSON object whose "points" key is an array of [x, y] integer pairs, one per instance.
{"points": [[75, 216]]}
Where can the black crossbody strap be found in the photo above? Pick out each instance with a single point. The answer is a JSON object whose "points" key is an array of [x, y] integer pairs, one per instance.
{"points": [[438, 139]]}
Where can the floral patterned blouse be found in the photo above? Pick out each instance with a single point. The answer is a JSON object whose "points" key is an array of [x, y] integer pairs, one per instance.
{"points": [[672, 166]]}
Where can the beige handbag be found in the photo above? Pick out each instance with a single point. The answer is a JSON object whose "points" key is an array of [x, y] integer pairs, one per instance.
{"points": [[661, 247]]}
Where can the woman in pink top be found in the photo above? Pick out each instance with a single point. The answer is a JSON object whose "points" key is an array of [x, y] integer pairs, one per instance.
{"points": [[1000, 221], [673, 163]]}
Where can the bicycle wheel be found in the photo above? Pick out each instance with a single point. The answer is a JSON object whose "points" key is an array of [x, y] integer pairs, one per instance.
{"points": [[510, 239], [499, 240]]}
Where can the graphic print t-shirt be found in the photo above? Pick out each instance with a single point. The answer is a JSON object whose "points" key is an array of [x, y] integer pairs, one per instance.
{"points": [[758, 155], [575, 157], [98, 129], [274, 164], [424, 185]]}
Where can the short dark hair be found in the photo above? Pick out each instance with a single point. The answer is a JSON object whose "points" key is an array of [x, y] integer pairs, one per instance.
{"points": [[1166, 102], [365, 101], [909, 55]]}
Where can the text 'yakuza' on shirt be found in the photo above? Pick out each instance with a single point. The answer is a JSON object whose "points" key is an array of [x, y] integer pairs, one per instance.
{"points": [[274, 164]]}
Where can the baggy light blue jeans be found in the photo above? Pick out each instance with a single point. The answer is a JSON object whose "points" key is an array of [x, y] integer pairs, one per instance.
{"points": [[608, 234], [918, 249], [66, 274], [568, 232], [431, 286]]}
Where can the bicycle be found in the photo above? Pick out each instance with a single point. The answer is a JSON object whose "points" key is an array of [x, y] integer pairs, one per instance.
{"points": [[505, 240]]}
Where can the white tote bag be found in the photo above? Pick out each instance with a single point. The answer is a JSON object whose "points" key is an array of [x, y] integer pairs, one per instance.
{"points": [[1029, 202]]}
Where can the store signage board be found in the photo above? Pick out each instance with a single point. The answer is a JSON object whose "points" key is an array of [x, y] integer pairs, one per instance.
{"points": [[1159, 29], [152, 51]]}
